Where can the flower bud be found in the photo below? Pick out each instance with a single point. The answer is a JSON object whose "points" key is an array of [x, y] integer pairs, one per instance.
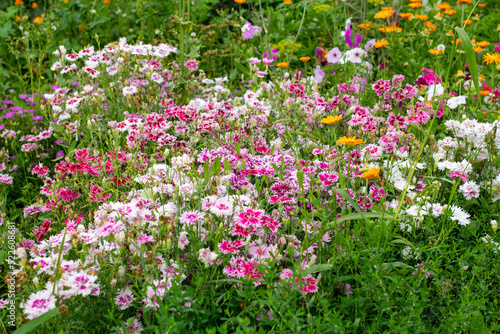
{"points": [[121, 272], [120, 238], [21, 254], [494, 225]]}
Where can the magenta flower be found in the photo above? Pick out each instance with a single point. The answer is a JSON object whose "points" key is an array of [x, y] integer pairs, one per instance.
{"points": [[247, 30], [348, 38]]}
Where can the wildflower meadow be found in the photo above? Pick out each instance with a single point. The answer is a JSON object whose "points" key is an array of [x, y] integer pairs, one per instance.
{"points": [[249, 166]]}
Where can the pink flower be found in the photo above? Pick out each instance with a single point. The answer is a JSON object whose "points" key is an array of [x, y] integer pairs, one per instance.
{"points": [[5, 179], [191, 217], [124, 299], [38, 303], [228, 247], [192, 65]]}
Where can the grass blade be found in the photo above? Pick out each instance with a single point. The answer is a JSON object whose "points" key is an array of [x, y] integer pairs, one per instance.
{"points": [[470, 56]]}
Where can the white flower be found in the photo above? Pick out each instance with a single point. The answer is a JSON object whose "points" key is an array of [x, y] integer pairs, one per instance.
{"points": [[455, 101], [458, 214], [434, 90]]}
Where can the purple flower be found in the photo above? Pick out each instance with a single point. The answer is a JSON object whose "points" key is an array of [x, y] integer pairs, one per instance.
{"points": [[75, 83], [348, 39], [37, 118], [2, 126], [54, 87], [319, 74], [333, 55], [370, 44], [60, 154], [23, 96], [247, 30]]}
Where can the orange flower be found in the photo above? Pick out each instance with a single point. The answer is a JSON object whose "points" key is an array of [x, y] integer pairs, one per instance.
{"points": [[38, 20], [459, 41], [34, 5], [241, 2], [287, 2], [19, 2], [421, 17], [464, 1], [381, 44], [450, 12], [477, 49], [349, 141], [385, 13], [492, 58], [330, 120], [484, 92], [431, 26], [406, 15], [443, 6], [467, 22], [415, 5], [371, 174], [17, 18], [483, 44], [481, 5], [107, 2], [436, 52], [304, 59], [282, 65], [364, 26]]}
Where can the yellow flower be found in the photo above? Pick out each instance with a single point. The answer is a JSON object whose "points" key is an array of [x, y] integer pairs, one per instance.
{"points": [[38, 20], [381, 44], [282, 65], [349, 141], [371, 174], [385, 13], [330, 120], [304, 59], [436, 52], [492, 58]]}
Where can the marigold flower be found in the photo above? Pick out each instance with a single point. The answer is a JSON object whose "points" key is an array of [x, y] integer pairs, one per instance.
{"points": [[464, 1], [19, 2], [467, 22], [282, 65], [287, 1], [364, 26], [450, 12], [353, 141], [107, 2], [241, 2], [371, 174], [304, 59], [436, 52], [330, 120], [443, 6], [484, 92], [415, 5], [482, 5], [492, 58], [421, 17], [385, 13], [483, 44], [459, 41], [381, 44], [38, 20], [477, 49], [34, 5], [406, 15], [430, 25]]}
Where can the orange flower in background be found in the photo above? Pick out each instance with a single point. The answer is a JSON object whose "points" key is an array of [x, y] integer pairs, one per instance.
{"points": [[482, 5], [415, 5], [483, 44], [431, 26], [381, 44], [436, 52], [484, 92], [459, 41], [349, 141], [364, 26], [282, 65], [34, 5], [467, 22], [406, 15], [81, 27], [107, 2], [241, 2], [385, 13], [492, 58], [19, 2], [18, 18], [443, 6], [38, 20], [477, 49], [450, 12], [464, 1], [421, 17], [371, 174], [304, 59], [287, 1], [330, 120]]}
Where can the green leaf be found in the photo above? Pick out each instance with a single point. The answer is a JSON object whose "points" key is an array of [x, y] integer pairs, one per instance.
{"points": [[30, 326], [227, 165], [477, 325], [348, 198], [470, 55], [389, 266], [365, 215], [316, 269], [206, 170]]}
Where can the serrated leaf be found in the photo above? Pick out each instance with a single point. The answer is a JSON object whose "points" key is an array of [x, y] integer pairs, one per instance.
{"points": [[470, 55]]}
